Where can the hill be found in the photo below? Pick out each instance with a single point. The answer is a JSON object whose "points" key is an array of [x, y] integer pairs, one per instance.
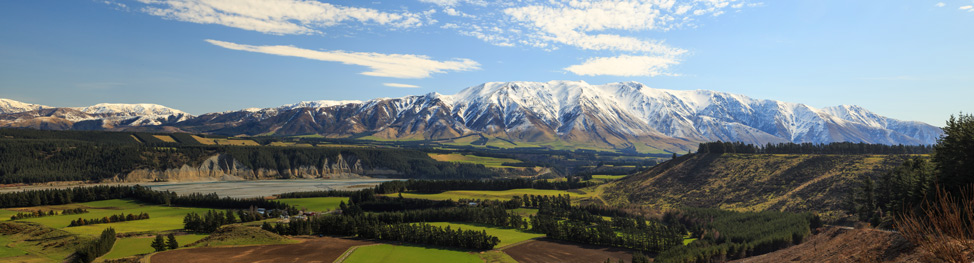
{"points": [[836, 244], [753, 182]]}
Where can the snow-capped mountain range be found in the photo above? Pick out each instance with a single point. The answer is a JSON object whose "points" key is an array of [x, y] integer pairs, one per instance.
{"points": [[616, 115]]}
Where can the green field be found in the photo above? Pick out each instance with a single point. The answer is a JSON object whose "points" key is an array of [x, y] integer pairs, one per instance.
{"points": [[409, 254], [496, 195], [608, 177], [127, 247], [315, 203], [506, 235], [7, 251], [474, 159], [237, 235], [161, 218]]}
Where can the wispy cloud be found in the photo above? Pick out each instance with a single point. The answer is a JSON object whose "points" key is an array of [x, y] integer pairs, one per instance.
{"points": [[968, 8], [400, 85], [276, 17], [381, 65], [626, 66], [940, 4]]}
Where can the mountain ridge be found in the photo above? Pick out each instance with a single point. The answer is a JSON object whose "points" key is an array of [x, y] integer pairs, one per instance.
{"points": [[620, 115]]}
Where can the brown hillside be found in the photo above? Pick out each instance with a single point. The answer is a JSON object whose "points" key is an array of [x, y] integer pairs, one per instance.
{"points": [[752, 182], [835, 244]]}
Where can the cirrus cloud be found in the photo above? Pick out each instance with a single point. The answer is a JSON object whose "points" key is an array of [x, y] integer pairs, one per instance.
{"points": [[381, 65], [625, 66], [280, 17]]}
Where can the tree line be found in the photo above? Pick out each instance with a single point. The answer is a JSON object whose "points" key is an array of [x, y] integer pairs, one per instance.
{"points": [[137, 192], [420, 233], [212, 220], [812, 148], [97, 248], [40, 213], [108, 219]]}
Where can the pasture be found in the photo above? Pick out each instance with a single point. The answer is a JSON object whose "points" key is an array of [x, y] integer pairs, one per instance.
{"points": [[131, 246], [473, 159], [507, 236], [161, 218], [409, 254], [314, 203]]}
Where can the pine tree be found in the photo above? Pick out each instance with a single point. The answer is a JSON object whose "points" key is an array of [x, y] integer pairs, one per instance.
{"points": [[159, 243], [171, 242]]}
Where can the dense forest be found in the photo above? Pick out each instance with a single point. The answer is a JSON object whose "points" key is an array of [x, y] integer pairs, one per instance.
{"points": [[89, 252], [42, 156], [437, 186], [812, 148], [136, 192]]}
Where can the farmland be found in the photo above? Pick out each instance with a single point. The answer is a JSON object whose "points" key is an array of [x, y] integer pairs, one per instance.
{"points": [[315, 203], [409, 254], [474, 159], [506, 235], [131, 246], [162, 218]]}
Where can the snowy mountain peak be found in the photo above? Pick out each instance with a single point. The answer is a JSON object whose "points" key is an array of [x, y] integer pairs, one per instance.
{"points": [[139, 109], [320, 104], [13, 106]]}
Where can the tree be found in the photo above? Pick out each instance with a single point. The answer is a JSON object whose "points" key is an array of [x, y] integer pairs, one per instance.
{"points": [[954, 152], [171, 242], [159, 243]]}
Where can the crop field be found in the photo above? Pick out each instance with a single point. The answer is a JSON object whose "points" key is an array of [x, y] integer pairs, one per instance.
{"points": [[409, 254], [474, 159], [165, 138], [161, 218], [127, 247], [608, 177], [237, 235], [546, 250], [507, 236], [497, 195], [315, 203], [323, 249]]}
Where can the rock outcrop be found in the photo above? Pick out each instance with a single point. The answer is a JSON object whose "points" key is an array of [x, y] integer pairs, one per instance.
{"points": [[222, 167]]}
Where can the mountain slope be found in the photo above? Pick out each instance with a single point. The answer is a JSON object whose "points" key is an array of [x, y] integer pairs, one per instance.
{"points": [[623, 116], [752, 182], [13, 106]]}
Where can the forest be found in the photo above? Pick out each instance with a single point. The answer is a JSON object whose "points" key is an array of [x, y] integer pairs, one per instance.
{"points": [[812, 148]]}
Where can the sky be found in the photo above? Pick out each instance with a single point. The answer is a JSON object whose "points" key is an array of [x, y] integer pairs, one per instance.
{"points": [[905, 59]]}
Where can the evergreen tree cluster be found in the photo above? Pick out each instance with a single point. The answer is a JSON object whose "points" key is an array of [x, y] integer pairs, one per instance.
{"points": [[812, 148], [41, 213], [420, 233], [108, 219], [161, 244], [726, 235], [137, 192], [97, 248], [212, 220]]}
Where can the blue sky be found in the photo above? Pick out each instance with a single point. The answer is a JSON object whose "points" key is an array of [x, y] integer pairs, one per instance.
{"points": [[906, 59]]}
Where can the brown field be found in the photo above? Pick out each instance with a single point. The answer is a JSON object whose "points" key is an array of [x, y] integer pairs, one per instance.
{"points": [[548, 250], [202, 140], [165, 138], [324, 249]]}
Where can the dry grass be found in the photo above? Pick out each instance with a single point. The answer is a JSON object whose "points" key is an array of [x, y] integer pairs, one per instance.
{"points": [[165, 138], [944, 229]]}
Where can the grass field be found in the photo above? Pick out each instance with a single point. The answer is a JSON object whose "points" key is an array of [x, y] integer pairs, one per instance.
{"points": [[409, 254], [496, 195], [237, 235], [127, 247], [506, 235], [161, 218], [474, 159], [7, 250], [608, 177], [315, 203], [497, 256]]}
